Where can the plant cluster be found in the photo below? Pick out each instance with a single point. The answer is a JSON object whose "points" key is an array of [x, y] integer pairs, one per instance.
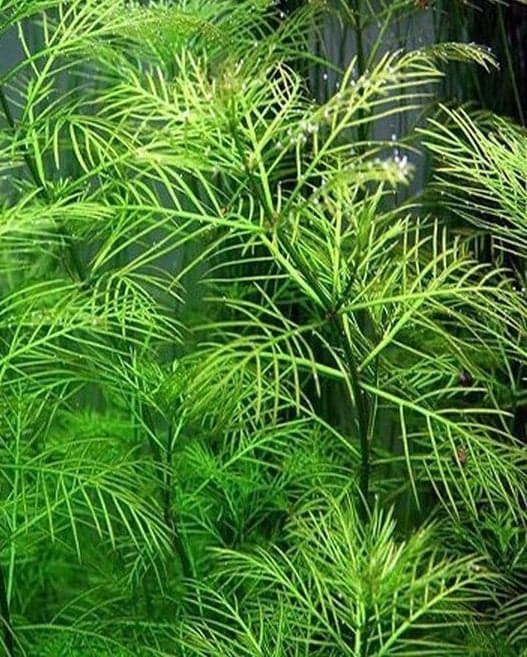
{"points": [[256, 396]]}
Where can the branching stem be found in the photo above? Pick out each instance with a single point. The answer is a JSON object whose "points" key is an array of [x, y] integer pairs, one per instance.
{"points": [[358, 399]]}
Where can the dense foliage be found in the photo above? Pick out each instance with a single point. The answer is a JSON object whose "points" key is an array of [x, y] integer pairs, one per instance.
{"points": [[258, 395]]}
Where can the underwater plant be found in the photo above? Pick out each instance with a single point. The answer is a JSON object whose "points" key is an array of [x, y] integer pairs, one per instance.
{"points": [[257, 396]]}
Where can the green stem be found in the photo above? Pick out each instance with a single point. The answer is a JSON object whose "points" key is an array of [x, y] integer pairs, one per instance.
{"points": [[163, 457], [169, 516], [361, 407], [359, 37], [5, 617], [336, 320]]}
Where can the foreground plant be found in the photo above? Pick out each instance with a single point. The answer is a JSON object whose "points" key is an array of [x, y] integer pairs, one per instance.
{"points": [[217, 323]]}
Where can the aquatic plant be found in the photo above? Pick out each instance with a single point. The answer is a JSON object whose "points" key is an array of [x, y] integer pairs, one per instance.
{"points": [[255, 400]]}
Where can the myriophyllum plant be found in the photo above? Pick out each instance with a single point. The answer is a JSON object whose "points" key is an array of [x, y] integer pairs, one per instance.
{"points": [[238, 376]]}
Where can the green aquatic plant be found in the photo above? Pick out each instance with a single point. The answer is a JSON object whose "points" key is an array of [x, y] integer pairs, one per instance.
{"points": [[342, 588], [251, 400]]}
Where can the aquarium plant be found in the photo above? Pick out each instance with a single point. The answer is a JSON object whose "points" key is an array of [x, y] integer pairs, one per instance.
{"points": [[259, 395]]}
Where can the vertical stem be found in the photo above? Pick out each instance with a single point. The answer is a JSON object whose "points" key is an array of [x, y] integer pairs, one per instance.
{"points": [[360, 403], [162, 455], [363, 428], [169, 516], [5, 617], [359, 38], [331, 312]]}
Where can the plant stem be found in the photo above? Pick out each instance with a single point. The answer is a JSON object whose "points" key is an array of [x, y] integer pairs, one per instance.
{"points": [[359, 37], [5, 617], [361, 408], [169, 516], [163, 458], [338, 329]]}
